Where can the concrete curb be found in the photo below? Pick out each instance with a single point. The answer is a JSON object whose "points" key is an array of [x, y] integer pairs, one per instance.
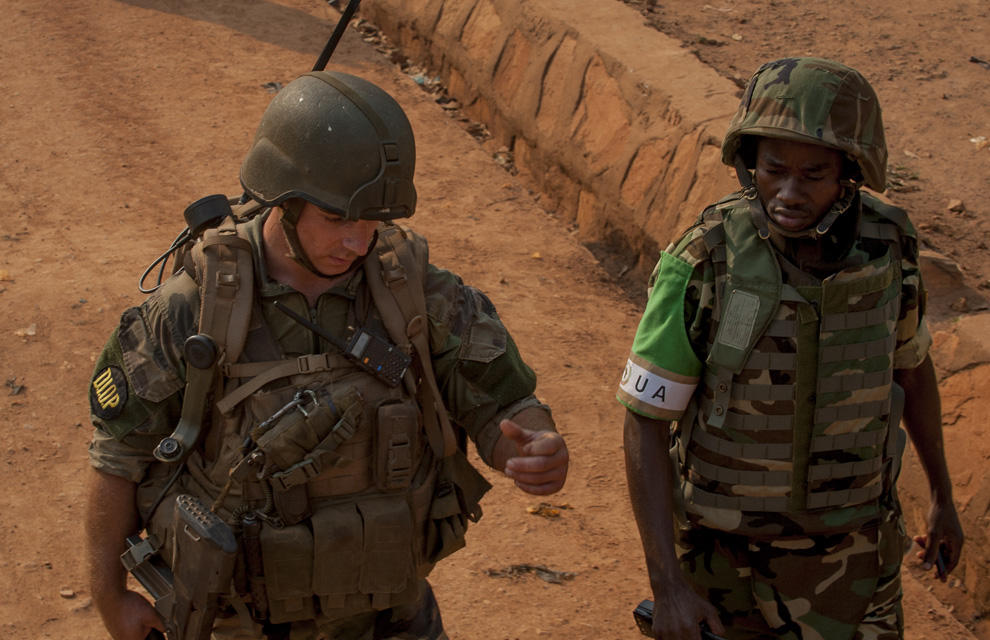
{"points": [[615, 123]]}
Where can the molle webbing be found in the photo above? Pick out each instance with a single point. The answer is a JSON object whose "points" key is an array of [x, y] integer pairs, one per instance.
{"points": [[261, 373], [227, 287], [761, 442], [755, 392], [826, 415], [730, 449], [398, 294], [740, 476], [752, 422], [860, 351], [755, 504]]}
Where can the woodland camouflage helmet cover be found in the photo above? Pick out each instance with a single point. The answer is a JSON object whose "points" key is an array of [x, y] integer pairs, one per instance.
{"points": [[337, 141], [815, 101]]}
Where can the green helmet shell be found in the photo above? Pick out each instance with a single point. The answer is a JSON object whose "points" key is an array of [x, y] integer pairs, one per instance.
{"points": [[815, 101], [337, 141]]}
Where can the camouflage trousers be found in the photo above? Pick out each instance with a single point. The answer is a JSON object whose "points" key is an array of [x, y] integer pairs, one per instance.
{"points": [[418, 621], [828, 587]]}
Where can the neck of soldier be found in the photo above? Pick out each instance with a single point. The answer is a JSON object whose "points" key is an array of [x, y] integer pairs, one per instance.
{"points": [[822, 256], [282, 268]]}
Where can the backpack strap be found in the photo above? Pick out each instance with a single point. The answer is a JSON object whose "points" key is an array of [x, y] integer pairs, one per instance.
{"points": [[396, 279], [225, 271]]}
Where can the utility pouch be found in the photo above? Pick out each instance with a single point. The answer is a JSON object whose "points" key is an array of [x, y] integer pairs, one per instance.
{"points": [[296, 429], [398, 442], [364, 547], [292, 504], [448, 524], [456, 500], [300, 442], [287, 557]]}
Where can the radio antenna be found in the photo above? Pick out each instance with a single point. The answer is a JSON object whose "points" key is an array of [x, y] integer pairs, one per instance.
{"points": [[345, 19]]}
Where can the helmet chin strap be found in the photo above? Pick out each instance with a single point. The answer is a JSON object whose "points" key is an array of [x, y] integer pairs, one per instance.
{"points": [[291, 211], [764, 223]]}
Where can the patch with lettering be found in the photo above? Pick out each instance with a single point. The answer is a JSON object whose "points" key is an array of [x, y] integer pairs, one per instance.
{"points": [[108, 393], [652, 394], [737, 324]]}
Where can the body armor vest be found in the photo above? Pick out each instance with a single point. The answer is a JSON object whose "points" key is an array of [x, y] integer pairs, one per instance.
{"points": [[792, 429], [344, 489]]}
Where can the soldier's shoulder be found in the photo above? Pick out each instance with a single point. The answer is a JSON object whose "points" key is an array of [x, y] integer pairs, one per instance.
{"points": [[696, 244], [878, 208]]}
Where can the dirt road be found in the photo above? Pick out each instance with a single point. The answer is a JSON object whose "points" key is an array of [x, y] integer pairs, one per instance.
{"points": [[115, 115]]}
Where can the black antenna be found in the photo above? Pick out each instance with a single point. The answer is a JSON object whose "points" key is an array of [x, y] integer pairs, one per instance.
{"points": [[345, 18]]}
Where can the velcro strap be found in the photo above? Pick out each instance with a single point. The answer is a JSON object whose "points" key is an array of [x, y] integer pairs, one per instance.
{"points": [[297, 474], [313, 363]]}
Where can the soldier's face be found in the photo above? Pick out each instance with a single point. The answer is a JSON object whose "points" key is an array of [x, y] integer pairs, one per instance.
{"points": [[797, 182], [331, 242]]}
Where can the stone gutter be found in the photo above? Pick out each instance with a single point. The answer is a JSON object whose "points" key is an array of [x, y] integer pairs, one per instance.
{"points": [[616, 124]]}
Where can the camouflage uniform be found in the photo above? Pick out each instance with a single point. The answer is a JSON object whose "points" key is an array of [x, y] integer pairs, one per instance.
{"points": [[779, 380], [478, 368]]}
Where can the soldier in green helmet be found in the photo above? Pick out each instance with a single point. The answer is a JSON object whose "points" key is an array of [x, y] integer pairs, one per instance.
{"points": [[289, 411], [783, 342]]}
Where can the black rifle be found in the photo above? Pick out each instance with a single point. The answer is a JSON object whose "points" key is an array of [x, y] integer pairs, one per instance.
{"points": [[644, 620]]}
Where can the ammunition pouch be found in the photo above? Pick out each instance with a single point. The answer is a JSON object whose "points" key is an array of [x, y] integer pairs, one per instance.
{"points": [[355, 555]]}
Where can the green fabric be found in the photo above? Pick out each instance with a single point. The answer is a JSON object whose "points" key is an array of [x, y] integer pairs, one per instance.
{"points": [[661, 337], [662, 370]]}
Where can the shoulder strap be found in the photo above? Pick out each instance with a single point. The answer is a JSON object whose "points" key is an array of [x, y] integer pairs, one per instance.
{"points": [[225, 271], [396, 280]]}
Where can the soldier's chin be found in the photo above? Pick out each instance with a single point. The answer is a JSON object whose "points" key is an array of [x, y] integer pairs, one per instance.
{"points": [[332, 266], [790, 222]]}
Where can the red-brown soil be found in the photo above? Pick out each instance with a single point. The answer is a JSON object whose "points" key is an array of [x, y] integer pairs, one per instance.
{"points": [[116, 114]]}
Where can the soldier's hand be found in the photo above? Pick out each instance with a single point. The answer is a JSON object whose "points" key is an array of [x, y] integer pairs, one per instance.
{"points": [[539, 463], [678, 610], [132, 618], [942, 545]]}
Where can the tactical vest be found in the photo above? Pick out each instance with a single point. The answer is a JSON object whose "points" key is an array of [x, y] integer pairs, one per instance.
{"points": [[344, 489], [794, 427]]}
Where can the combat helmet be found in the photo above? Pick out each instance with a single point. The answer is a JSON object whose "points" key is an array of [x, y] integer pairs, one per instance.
{"points": [[337, 141], [817, 101]]}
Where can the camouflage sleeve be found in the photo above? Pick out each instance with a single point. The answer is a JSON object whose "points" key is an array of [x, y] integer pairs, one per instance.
{"points": [[913, 338], [135, 394], [668, 350], [479, 370]]}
